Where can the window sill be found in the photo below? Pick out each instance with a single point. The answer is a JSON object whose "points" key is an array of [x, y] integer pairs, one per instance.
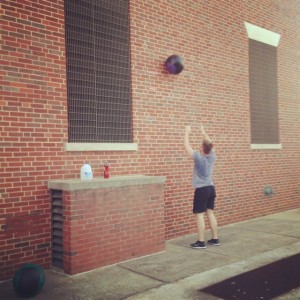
{"points": [[266, 146], [100, 147]]}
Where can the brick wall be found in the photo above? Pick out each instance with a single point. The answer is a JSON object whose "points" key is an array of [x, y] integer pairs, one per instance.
{"points": [[213, 89], [109, 225]]}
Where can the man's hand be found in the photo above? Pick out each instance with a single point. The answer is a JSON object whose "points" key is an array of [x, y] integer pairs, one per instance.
{"points": [[202, 129], [188, 129]]}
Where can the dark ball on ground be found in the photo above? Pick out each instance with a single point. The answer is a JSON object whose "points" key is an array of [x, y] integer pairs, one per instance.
{"points": [[28, 280]]}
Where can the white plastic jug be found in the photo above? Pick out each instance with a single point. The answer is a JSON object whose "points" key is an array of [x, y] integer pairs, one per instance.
{"points": [[86, 172]]}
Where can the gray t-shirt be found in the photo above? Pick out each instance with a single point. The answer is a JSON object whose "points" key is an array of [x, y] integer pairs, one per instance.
{"points": [[203, 169]]}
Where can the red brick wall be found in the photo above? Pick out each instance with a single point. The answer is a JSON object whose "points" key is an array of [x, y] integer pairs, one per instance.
{"points": [[213, 89], [106, 226]]}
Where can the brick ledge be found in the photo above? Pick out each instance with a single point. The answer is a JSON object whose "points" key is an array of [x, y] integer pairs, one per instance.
{"points": [[98, 183]]}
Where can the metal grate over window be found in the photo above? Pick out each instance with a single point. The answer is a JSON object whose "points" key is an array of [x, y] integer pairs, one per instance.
{"points": [[98, 70], [263, 93]]}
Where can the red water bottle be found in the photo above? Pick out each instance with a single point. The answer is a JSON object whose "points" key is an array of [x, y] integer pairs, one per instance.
{"points": [[106, 170]]}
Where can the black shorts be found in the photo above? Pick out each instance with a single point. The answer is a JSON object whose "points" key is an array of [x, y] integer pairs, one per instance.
{"points": [[204, 198]]}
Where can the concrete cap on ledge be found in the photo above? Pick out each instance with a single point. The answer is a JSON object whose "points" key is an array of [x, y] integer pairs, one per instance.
{"points": [[98, 183]]}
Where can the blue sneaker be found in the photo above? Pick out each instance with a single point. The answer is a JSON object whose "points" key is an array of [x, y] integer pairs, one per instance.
{"points": [[198, 245], [214, 242]]}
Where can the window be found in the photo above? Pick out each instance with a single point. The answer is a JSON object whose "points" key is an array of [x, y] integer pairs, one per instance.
{"points": [[98, 71], [263, 87]]}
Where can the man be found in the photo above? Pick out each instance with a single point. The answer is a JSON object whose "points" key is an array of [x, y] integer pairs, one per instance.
{"points": [[204, 196]]}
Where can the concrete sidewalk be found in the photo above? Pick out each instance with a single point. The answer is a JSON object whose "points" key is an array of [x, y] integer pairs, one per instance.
{"points": [[181, 272]]}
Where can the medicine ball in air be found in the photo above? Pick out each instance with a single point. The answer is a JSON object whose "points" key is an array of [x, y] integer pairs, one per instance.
{"points": [[174, 64]]}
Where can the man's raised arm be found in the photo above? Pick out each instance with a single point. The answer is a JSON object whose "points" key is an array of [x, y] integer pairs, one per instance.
{"points": [[206, 138], [187, 145]]}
